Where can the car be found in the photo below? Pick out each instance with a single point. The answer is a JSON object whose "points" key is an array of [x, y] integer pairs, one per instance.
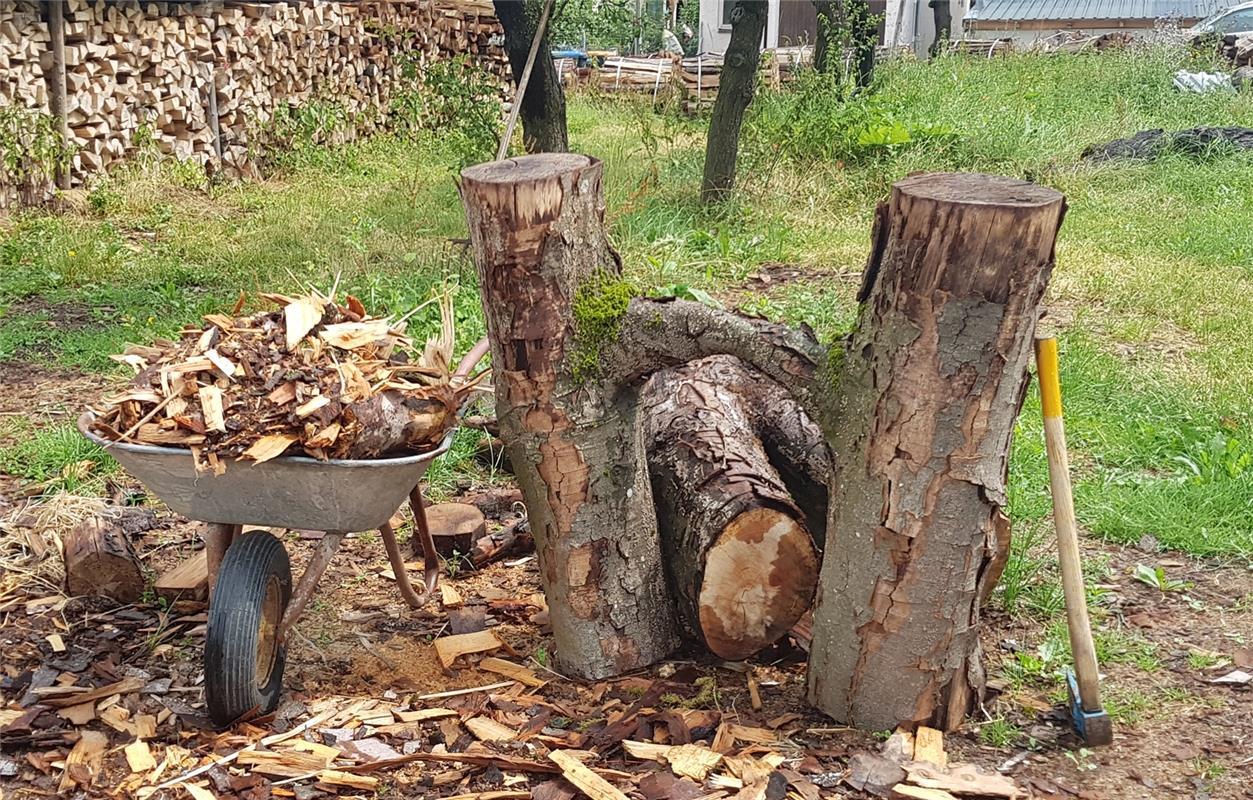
{"points": [[1237, 19]]}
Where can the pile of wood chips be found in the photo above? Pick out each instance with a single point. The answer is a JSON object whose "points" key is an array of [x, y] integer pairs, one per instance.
{"points": [[313, 377]]}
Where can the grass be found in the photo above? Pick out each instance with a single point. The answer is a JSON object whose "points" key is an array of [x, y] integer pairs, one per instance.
{"points": [[1155, 262]]}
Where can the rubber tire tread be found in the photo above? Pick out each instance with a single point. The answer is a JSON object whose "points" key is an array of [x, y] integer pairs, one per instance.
{"points": [[230, 653]]}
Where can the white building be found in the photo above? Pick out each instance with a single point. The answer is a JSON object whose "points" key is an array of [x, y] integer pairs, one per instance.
{"points": [[1026, 21]]}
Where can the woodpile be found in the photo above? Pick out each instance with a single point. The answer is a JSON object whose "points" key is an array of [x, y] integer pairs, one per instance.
{"points": [[202, 80], [635, 74], [1237, 49], [313, 377], [701, 74]]}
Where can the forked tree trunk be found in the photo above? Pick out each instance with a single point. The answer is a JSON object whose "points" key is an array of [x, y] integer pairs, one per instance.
{"points": [[742, 564], [735, 92], [543, 109], [932, 381], [536, 224]]}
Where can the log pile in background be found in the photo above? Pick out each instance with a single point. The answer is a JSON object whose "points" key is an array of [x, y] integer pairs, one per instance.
{"points": [[204, 78], [1237, 49], [701, 74], [313, 376]]}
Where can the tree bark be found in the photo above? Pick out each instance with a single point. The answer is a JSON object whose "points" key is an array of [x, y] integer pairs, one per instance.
{"points": [[828, 33], [742, 564], [738, 81], [943, 16], [543, 109], [537, 229], [99, 560], [864, 30], [931, 384]]}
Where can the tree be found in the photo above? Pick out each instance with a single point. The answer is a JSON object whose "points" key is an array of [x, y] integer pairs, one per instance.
{"points": [[915, 412], [863, 28], [735, 92], [828, 32], [943, 16], [846, 23], [543, 110]]}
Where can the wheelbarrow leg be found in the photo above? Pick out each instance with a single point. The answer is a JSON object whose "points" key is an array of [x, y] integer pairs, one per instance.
{"points": [[217, 538], [303, 592], [430, 556]]}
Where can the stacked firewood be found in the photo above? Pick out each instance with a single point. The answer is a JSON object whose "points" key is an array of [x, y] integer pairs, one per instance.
{"points": [[1237, 49], [636, 74], [202, 80], [313, 377], [701, 74]]}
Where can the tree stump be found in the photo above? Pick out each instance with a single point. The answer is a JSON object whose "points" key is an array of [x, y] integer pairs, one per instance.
{"points": [[455, 527], [99, 560], [537, 229], [932, 381], [742, 562]]}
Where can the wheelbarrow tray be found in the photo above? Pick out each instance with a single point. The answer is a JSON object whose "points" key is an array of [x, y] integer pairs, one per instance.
{"points": [[285, 492]]}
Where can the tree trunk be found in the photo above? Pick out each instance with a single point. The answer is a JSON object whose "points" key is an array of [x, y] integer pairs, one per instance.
{"points": [[543, 109], [932, 382], [864, 30], [99, 561], [742, 564], [828, 33], [735, 92], [943, 26], [537, 229]]}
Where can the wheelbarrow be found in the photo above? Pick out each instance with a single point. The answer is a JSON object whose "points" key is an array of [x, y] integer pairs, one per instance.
{"points": [[252, 605]]}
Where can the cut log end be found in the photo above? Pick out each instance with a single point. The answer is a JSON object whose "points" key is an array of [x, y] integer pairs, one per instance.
{"points": [[760, 577], [538, 167], [973, 188]]}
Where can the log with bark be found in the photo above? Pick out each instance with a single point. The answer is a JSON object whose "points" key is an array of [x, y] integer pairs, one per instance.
{"points": [[99, 560], [741, 560], [932, 381]]}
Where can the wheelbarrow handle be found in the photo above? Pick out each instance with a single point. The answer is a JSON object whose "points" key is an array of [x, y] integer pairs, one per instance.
{"points": [[471, 359]]}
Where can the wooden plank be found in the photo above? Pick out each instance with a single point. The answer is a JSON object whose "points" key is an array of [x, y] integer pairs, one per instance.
{"points": [[509, 669], [189, 580], [929, 746]]}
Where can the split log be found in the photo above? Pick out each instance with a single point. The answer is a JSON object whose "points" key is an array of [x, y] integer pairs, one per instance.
{"points": [[512, 539], [742, 563], [932, 381], [397, 422], [99, 560]]}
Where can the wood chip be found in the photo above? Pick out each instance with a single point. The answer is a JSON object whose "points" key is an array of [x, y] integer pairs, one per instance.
{"points": [[929, 746], [424, 714], [351, 335], [80, 714], [489, 730], [188, 580], [692, 761], [450, 648], [300, 317], [139, 757], [124, 686], [224, 364], [270, 446], [962, 780], [509, 669], [56, 642], [211, 408], [312, 404], [449, 597], [647, 751], [587, 781], [903, 791], [199, 792], [82, 765]]}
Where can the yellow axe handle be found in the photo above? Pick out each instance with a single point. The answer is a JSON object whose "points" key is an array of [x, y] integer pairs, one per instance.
{"points": [[1081, 645]]}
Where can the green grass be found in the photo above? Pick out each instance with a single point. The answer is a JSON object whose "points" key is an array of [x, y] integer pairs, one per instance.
{"points": [[57, 456], [1151, 288]]}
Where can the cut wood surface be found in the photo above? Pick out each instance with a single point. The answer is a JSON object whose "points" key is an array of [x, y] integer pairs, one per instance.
{"points": [[450, 648], [932, 381], [99, 560], [587, 781]]}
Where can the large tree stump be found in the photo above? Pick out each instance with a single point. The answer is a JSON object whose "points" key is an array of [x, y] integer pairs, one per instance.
{"points": [[536, 225], [742, 564], [99, 560], [932, 381]]}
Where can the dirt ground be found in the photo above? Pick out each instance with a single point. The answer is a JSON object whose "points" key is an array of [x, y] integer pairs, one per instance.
{"points": [[1179, 734]]}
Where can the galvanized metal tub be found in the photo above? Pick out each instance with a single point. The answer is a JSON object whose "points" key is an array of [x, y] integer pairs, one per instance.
{"points": [[286, 492]]}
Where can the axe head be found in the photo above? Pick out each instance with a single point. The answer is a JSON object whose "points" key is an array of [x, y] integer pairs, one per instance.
{"points": [[1093, 727]]}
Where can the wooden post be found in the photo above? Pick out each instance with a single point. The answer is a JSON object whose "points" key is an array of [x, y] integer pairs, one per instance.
{"points": [[537, 230], [931, 384], [57, 100]]}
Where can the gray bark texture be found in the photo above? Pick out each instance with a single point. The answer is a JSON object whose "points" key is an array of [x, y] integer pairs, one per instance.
{"points": [[931, 383], [735, 92], [741, 562], [543, 111]]}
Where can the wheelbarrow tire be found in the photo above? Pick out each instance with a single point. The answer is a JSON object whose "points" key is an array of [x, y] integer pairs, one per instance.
{"points": [[243, 662]]}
